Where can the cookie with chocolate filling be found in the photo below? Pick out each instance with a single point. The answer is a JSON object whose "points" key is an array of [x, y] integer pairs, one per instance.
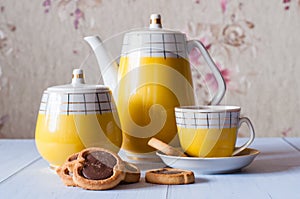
{"points": [[65, 171], [132, 173], [71, 160], [98, 169], [168, 176], [66, 174]]}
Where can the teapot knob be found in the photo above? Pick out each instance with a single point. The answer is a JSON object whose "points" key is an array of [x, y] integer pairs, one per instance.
{"points": [[77, 76], [155, 21]]}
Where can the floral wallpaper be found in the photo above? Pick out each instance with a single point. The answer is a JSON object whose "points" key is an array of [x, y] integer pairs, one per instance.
{"points": [[222, 40], [253, 43], [71, 8]]}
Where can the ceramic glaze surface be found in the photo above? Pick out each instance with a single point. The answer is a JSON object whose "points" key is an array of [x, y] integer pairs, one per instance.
{"points": [[211, 131], [203, 143], [149, 90], [76, 116], [68, 134]]}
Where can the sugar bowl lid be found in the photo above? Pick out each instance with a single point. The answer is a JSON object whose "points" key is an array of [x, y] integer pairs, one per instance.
{"points": [[77, 98], [78, 85]]}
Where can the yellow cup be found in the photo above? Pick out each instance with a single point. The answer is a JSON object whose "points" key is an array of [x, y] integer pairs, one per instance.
{"points": [[211, 131]]}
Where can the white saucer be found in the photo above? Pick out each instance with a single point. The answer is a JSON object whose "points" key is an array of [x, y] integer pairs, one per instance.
{"points": [[211, 165]]}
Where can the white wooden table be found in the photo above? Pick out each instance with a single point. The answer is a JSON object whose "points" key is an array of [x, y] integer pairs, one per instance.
{"points": [[275, 173]]}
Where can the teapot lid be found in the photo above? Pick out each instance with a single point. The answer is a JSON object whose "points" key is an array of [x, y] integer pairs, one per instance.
{"points": [[154, 41], [155, 26], [78, 85]]}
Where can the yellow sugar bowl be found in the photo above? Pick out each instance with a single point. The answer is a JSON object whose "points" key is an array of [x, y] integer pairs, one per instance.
{"points": [[76, 116]]}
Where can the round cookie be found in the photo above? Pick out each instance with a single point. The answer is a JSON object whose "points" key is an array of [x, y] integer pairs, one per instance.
{"points": [[71, 160], [168, 176], [98, 169], [132, 173], [66, 173]]}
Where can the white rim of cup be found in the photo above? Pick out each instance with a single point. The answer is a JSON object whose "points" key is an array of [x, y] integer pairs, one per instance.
{"points": [[208, 108]]}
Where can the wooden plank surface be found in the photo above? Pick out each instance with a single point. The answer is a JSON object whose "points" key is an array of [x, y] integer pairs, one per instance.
{"points": [[38, 181], [15, 155], [275, 173], [295, 142]]}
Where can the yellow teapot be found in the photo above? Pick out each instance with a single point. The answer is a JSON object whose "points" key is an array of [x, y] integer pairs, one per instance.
{"points": [[75, 116], [152, 78]]}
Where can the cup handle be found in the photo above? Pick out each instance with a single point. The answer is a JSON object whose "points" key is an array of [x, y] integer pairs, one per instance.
{"points": [[252, 135], [217, 74]]}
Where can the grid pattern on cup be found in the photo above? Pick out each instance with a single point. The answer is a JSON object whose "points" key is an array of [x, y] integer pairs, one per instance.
{"points": [[154, 45], [76, 103], [207, 120]]}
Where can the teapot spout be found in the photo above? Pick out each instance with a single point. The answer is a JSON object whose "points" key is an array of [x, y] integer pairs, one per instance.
{"points": [[108, 67]]}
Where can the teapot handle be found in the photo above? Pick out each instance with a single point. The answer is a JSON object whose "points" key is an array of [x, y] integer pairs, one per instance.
{"points": [[219, 78]]}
